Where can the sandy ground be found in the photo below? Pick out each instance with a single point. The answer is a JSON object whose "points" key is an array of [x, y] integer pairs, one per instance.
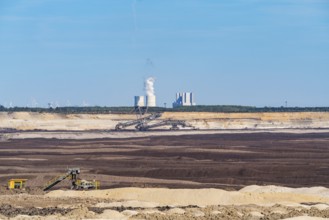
{"points": [[257, 195], [188, 174], [80, 135], [252, 202], [29, 121], [222, 160], [212, 174]]}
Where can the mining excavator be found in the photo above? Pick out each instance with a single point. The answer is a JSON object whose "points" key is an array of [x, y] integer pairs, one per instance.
{"points": [[145, 123], [138, 122], [175, 125], [77, 183]]}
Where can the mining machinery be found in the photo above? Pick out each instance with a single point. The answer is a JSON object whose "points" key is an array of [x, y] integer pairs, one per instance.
{"points": [[17, 184], [145, 123], [138, 122], [175, 125], [77, 183]]}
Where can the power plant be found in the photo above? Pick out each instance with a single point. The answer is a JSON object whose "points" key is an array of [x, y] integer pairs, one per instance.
{"points": [[150, 99], [146, 122], [145, 101], [184, 99], [139, 101]]}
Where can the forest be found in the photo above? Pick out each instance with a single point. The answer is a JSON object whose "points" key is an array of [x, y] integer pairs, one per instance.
{"points": [[129, 110]]}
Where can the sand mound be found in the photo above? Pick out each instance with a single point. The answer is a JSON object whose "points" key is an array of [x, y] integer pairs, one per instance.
{"points": [[305, 218], [319, 191], [258, 195], [180, 197], [151, 203], [111, 214], [178, 211], [133, 204]]}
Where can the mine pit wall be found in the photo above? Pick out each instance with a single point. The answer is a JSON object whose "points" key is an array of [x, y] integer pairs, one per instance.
{"points": [[276, 120], [203, 120]]}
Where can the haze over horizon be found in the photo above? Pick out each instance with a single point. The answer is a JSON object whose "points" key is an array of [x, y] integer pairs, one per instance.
{"points": [[243, 52]]}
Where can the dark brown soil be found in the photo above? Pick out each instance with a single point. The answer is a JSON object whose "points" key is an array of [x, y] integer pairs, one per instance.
{"points": [[215, 160], [10, 211]]}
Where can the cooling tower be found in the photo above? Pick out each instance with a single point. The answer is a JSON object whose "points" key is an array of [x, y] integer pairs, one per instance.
{"points": [[151, 101], [139, 101]]}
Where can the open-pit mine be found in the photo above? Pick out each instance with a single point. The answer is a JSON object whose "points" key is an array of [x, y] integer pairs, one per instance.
{"points": [[193, 166]]}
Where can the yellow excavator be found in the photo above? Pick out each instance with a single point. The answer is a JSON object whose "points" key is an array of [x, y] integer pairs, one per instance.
{"points": [[76, 183]]}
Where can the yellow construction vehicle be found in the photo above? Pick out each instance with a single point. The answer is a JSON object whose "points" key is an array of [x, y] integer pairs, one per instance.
{"points": [[85, 184], [76, 183], [17, 183]]}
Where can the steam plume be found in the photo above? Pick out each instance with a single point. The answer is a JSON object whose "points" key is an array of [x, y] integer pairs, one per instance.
{"points": [[149, 86]]}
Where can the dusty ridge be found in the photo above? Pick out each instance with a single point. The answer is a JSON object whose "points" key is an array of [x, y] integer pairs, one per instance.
{"points": [[257, 195], [81, 122], [250, 203]]}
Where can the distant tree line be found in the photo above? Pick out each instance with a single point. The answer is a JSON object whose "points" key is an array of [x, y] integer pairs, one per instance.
{"points": [[245, 109], [128, 110]]}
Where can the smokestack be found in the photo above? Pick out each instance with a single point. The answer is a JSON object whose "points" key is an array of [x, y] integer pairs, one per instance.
{"points": [[150, 95]]}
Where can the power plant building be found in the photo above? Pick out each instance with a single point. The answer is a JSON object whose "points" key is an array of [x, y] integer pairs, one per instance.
{"points": [[139, 101], [145, 101], [151, 101], [184, 99]]}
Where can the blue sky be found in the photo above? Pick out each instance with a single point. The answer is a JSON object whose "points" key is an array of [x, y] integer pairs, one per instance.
{"points": [[228, 52]]}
